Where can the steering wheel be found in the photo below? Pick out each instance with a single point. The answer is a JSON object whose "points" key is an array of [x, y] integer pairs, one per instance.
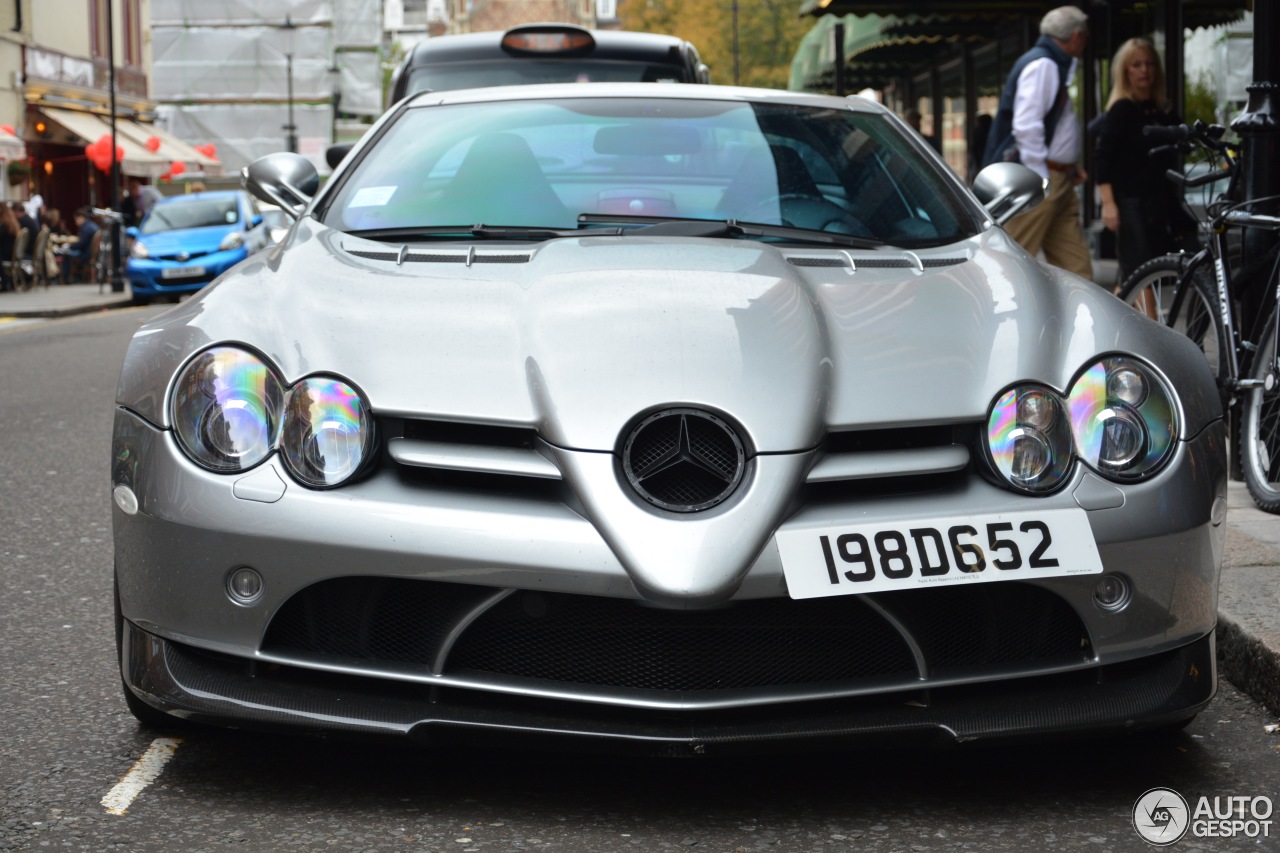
{"points": [[797, 210]]}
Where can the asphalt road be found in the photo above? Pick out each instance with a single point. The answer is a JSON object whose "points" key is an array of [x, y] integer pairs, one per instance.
{"points": [[66, 739]]}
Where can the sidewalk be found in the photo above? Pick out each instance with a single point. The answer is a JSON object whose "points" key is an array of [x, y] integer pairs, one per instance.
{"points": [[61, 300], [1249, 595]]}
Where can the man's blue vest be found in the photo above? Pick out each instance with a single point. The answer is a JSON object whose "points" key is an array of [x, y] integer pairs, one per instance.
{"points": [[1000, 142]]}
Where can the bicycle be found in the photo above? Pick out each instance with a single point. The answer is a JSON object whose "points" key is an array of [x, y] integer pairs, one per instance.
{"points": [[103, 265], [1179, 291]]}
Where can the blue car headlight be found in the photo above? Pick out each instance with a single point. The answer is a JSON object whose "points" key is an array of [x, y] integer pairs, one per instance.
{"points": [[234, 240], [226, 408], [139, 250]]}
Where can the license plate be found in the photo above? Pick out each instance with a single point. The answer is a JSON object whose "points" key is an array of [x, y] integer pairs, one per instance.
{"points": [[940, 551], [181, 272]]}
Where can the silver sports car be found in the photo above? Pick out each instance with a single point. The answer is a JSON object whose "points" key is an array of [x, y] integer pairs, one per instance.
{"points": [[677, 418]]}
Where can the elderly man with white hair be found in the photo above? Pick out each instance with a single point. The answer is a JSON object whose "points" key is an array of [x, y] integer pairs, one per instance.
{"points": [[1036, 126]]}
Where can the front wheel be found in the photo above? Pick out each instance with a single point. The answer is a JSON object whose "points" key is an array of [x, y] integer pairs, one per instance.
{"points": [[1150, 289], [1261, 428]]}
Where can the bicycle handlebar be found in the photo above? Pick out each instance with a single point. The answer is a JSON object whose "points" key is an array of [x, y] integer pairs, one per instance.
{"points": [[1172, 133]]}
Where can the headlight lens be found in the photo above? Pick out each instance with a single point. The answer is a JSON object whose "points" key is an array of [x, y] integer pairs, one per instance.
{"points": [[234, 240], [226, 406], [1123, 417], [139, 250], [327, 433], [1029, 438]]}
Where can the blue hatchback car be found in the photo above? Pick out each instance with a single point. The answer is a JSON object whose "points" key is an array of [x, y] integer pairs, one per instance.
{"points": [[187, 241]]}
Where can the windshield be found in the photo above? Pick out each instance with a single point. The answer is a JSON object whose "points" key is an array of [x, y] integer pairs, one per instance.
{"points": [[518, 72], [191, 213], [543, 163]]}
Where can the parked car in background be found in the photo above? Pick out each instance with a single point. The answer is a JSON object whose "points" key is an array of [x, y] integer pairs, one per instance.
{"points": [[186, 241], [545, 53], [685, 418]]}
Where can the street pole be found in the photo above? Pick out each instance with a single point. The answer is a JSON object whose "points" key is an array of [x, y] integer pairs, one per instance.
{"points": [[117, 284], [291, 140]]}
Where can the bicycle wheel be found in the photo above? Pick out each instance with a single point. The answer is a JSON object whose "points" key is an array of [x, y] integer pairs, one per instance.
{"points": [[1150, 289], [1261, 438]]}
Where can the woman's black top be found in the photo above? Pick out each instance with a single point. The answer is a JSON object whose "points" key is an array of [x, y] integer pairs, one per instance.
{"points": [[1122, 154]]}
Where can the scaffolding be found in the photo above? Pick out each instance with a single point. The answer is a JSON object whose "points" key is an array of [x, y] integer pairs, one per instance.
{"points": [[233, 72]]}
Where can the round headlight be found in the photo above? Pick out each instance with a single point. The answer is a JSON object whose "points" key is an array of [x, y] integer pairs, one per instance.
{"points": [[1029, 439], [327, 433], [1123, 418], [225, 409]]}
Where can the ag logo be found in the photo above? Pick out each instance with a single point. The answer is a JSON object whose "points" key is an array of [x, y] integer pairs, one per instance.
{"points": [[1161, 816]]}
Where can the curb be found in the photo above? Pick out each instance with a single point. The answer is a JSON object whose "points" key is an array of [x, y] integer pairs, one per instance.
{"points": [[1248, 663], [68, 310]]}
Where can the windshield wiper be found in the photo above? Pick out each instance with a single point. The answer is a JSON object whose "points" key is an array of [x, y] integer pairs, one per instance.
{"points": [[488, 232], [670, 227]]}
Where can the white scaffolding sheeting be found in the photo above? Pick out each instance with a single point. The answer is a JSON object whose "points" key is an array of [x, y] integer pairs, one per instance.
{"points": [[220, 71], [201, 63], [357, 23], [170, 13], [245, 132], [356, 70]]}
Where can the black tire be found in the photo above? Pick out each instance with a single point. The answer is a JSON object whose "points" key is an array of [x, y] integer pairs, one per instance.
{"points": [[1260, 425], [1150, 289], [144, 713]]}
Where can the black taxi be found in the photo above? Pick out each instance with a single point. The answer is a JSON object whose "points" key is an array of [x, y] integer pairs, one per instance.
{"points": [[545, 53]]}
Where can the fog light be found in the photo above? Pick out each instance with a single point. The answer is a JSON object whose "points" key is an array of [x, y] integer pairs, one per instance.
{"points": [[1112, 592], [244, 585]]}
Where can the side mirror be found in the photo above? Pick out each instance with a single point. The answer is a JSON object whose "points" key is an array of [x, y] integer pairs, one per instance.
{"points": [[131, 232], [334, 153], [256, 220], [284, 179], [1007, 189]]}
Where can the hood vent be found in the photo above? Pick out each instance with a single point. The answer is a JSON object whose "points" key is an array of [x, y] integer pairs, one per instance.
{"points": [[469, 257], [853, 263]]}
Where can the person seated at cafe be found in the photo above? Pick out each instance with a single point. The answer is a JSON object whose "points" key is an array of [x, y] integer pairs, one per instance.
{"points": [[80, 252]]}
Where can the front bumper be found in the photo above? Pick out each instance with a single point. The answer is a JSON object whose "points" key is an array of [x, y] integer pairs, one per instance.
{"points": [[192, 651], [1159, 690], [157, 277]]}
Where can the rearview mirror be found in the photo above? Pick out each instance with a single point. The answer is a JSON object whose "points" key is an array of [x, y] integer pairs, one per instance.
{"points": [[1007, 189], [284, 179]]}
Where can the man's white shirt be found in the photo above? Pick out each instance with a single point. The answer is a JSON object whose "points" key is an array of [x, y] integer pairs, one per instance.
{"points": [[1037, 91]]}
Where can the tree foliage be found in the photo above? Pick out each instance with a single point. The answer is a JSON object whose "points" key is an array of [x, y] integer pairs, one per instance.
{"points": [[769, 31]]}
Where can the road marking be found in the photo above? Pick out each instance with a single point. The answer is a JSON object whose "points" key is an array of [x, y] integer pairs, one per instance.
{"points": [[143, 773]]}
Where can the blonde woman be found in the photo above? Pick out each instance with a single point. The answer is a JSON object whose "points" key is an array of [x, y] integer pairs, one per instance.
{"points": [[1139, 203]]}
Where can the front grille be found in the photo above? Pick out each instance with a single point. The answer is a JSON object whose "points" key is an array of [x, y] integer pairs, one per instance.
{"points": [[616, 643], [622, 644]]}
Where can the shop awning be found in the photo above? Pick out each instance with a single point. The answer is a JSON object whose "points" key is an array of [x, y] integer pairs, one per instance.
{"points": [[139, 161], [11, 147]]}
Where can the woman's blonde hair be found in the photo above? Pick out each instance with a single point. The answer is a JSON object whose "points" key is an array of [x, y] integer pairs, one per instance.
{"points": [[1120, 81]]}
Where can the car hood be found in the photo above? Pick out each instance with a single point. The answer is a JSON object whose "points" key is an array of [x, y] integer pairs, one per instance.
{"points": [[190, 240], [578, 337]]}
